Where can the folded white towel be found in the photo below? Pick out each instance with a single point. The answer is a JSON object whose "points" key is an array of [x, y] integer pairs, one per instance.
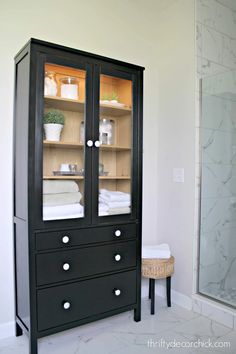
{"points": [[68, 211], [54, 187], [112, 205], [115, 211], [117, 198], [103, 213], [114, 196], [156, 251], [64, 217], [103, 207], [61, 198]]}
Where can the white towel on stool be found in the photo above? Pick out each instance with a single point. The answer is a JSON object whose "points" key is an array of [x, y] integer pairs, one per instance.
{"points": [[156, 251]]}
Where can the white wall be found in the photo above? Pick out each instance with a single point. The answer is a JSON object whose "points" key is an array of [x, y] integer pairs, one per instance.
{"points": [[176, 136], [157, 34]]}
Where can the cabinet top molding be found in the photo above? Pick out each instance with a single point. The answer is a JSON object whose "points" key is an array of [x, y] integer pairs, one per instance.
{"points": [[77, 51]]}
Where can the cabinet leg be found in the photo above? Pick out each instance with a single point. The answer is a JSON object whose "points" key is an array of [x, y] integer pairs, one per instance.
{"points": [[168, 291], [137, 314], [19, 331], [152, 296], [33, 345]]}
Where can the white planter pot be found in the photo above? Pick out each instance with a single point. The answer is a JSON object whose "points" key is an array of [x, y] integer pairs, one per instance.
{"points": [[53, 131]]}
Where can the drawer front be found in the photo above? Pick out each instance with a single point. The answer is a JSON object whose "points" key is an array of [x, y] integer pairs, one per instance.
{"points": [[63, 304], [65, 239], [70, 264]]}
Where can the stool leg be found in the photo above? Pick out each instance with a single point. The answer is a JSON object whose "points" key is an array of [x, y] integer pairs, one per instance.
{"points": [[168, 291], [149, 292], [152, 283]]}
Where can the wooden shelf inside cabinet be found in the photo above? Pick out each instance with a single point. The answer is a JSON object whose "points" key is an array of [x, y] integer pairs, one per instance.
{"points": [[62, 144], [109, 109], [82, 177], [78, 106], [64, 104], [114, 148], [114, 177], [64, 177], [69, 145]]}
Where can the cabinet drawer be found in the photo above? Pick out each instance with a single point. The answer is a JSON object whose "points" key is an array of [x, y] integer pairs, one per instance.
{"points": [[63, 304], [71, 264], [57, 239]]}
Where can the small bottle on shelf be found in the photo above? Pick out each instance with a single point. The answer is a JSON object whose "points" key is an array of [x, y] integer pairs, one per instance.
{"points": [[50, 84], [82, 132], [106, 131]]}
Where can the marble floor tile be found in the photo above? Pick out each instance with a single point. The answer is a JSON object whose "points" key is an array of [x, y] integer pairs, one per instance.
{"points": [[121, 335], [231, 338], [9, 345], [201, 328]]}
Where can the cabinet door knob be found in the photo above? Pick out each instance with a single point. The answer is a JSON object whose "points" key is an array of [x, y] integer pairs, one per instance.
{"points": [[66, 266], [117, 257], [117, 233], [89, 143], [66, 305], [65, 239], [97, 143], [117, 292]]}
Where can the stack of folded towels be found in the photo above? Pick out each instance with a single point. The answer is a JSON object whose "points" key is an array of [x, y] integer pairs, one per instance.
{"points": [[113, 202], [156, 251], [61, 200]]}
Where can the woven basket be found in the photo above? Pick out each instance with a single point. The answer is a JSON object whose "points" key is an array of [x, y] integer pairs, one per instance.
{"points": [[155, 268]]}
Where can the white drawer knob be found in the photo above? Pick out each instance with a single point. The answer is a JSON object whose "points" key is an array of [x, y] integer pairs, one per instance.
{"points": [[65, 239], [97, 143], [117, 257], [117, 233], [66, 266], [117, 292], [89, 143], [66, 305]]}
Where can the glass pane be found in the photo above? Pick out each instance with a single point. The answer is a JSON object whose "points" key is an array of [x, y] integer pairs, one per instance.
{"points": [[63, 144], [115, 135], [217, 266]]}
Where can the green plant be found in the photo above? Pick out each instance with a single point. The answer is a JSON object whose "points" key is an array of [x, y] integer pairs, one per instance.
{"points": [[114, 96], [106, 97], [54, 117]]}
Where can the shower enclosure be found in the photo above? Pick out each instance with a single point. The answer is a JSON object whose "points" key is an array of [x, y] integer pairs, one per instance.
{"points": [[217, 249]]}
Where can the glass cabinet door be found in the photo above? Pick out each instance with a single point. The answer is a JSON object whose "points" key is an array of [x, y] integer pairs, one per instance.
{"points": [[115, 146], [63, 143]]}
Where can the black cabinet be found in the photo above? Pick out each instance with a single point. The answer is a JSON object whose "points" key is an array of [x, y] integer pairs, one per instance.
{"points": [[77, 188]]}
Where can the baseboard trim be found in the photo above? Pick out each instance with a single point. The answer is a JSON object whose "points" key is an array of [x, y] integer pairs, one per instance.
{"points": [[7, 330], [214, 310]]}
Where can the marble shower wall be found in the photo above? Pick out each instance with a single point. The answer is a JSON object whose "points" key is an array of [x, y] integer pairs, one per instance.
{"points": [[216, 130], [216, 37]]}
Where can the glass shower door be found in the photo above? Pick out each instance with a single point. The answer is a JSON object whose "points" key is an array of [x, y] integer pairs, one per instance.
{"points": [[217, 264]]}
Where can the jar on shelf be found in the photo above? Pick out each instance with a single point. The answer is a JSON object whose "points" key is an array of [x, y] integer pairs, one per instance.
{"points": [[82, 131], [69, 87], [50, 84], [106, 131]]}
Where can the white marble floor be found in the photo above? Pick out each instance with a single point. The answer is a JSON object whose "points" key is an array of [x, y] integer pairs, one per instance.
{"points": [[121, 335]]}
